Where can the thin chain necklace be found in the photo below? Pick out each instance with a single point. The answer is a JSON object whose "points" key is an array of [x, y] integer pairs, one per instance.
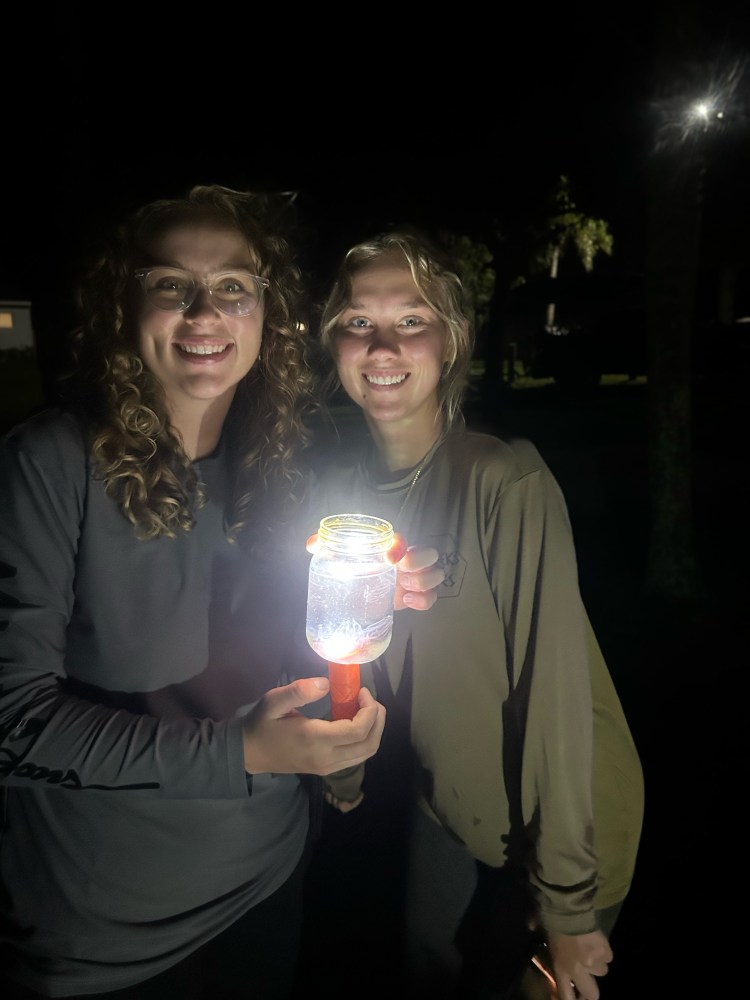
{"points": [[415, 477], [412, 484]]}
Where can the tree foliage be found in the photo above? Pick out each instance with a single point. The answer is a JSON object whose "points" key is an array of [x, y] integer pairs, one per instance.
{"points": [[473, 261], [563, 229], [566, 228]]}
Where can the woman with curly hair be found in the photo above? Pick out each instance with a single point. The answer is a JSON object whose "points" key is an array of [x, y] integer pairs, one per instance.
{"points": [[155, 809]]}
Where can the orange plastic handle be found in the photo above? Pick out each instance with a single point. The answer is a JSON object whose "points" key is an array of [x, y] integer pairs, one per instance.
{"points": [[345, 685]]}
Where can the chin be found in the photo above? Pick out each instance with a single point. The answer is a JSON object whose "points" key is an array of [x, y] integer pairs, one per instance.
{"points": [[382, 415]]}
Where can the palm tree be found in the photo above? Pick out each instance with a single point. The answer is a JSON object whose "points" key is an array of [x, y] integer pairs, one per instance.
{"points": [[566, 228]]}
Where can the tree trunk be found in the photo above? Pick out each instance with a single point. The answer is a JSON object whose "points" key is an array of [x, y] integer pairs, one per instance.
{"points": [[676, 175], [553, 269]]}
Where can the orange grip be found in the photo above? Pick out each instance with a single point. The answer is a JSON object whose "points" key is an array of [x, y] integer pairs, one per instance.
{"points": [[345, 685], [397, 551]]}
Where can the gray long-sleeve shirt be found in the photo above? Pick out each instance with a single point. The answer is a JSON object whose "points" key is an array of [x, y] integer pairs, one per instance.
{"points": [[130, 832]]}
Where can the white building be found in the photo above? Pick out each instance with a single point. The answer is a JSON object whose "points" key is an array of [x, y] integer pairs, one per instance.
{"points": [[15, 325]]}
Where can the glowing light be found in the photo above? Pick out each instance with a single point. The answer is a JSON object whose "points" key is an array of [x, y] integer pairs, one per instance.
{"points": [[684, 118]]}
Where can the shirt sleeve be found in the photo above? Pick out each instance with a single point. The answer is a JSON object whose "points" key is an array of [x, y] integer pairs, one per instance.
{"points": [[546, 627], [49, 737]]}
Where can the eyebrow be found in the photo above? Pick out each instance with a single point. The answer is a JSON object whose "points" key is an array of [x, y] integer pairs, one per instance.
{"points": [[227, 266], [411, 304]]}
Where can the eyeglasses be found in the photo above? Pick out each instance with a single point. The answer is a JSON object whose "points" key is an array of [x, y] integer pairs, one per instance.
{"points": [[172, 289]]}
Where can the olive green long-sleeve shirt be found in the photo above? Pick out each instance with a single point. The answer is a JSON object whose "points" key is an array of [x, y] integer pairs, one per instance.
{"points": [[514, 716]]}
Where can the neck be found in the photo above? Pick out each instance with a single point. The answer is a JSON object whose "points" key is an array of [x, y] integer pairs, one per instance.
{"points": [[199, 424], [404, 446]]}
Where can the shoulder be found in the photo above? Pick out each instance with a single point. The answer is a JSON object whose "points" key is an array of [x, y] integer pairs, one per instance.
{"points": [[507, 458], [51, 438], [337, 463]]}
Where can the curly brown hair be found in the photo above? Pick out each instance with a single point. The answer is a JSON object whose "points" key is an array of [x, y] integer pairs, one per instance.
{"points": [[134, 449]]}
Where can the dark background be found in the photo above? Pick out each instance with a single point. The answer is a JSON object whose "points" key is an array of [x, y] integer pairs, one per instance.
{"points": [[460, 118]]}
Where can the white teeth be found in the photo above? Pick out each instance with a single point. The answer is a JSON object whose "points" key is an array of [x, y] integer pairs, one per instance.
{"points": [[202, 348], [385, 379]]}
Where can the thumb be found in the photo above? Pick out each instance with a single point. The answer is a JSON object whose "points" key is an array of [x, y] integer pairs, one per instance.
{"points": [[303, 691], [284, 700], [310, 689], [397, 551]]}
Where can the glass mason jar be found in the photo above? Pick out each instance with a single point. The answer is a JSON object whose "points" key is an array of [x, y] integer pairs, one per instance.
{"points": [[351, 589]]}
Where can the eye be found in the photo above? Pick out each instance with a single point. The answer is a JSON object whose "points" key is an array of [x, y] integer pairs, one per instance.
{"points": [[169, 283], [412, 322], [358, 324], [235, 283]]}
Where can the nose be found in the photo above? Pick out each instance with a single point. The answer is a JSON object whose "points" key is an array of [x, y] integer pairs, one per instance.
{"points": [[384, 340], [202, 306]]}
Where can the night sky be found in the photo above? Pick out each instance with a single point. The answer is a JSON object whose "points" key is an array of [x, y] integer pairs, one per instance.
{"points": [[461, 119]]}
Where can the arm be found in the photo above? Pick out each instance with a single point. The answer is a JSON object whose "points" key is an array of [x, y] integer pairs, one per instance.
{"points": [[536, 581], [549, 634], [49, 736], [57, 731]]}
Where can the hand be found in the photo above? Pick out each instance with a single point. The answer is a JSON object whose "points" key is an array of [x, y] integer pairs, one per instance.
{"points": [[417, 574], [279, 739], [576, 960], [343, 805], [417, 578]]}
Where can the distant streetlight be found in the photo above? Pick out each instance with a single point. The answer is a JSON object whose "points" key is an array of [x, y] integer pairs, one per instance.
{"points": [[683, 117], [704, 114]]}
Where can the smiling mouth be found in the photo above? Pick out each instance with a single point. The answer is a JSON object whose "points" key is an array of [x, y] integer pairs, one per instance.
{"points": [[203, 348], [385, 379]]}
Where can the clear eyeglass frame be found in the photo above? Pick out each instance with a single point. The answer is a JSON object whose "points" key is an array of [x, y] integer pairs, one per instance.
{"points": [[182, 295]]}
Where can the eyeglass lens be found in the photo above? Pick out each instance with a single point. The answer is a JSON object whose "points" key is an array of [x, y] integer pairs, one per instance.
{"points": [[173, 290]]}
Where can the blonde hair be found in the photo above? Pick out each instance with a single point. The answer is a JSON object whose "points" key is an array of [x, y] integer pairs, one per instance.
{"points": [[442, 290], [134, 449]]}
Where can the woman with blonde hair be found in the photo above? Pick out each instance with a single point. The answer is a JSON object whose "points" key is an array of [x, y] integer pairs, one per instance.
{"points": [[525, 772]]}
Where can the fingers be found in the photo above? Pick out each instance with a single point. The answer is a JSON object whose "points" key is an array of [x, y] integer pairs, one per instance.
{"points": [[364, 732], [352, 741], [576, 960], [343, 805], [417, 558], [418, 576], [417, 591], [583, 987], [277, 738], [418, 579]]}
